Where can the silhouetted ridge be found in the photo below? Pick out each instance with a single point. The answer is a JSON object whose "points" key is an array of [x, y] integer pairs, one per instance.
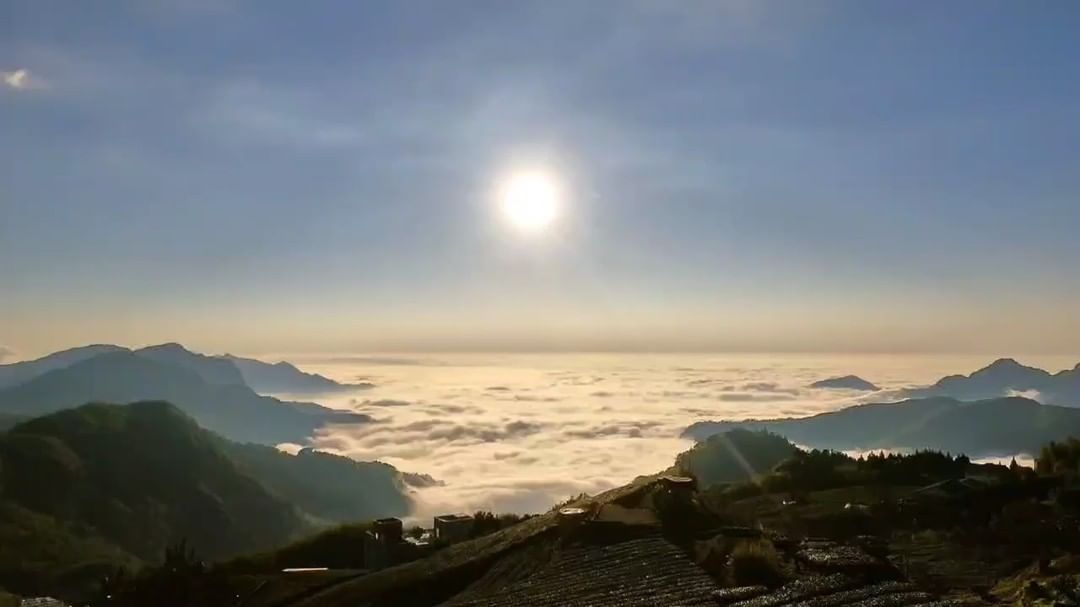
{"points": [[214, 371], [283, 377], [265, 378], [17, 373], [847, 382], [1006, 377], [989, 427], [233, 410]]}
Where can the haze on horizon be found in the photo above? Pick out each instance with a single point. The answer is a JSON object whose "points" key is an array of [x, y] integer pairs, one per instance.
{"points": [[828, 176]]}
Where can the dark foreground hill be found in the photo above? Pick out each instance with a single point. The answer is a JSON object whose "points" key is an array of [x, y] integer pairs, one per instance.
{"points": [[88, 489], [224, 406], [734, 456], [328, 488], [1000, 426], [137, 479]]}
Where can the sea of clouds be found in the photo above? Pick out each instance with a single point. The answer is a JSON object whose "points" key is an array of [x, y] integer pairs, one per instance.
{"points": [[519, 433]]}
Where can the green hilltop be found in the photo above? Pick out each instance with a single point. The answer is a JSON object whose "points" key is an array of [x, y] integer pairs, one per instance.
{"points": [[101, 486]]}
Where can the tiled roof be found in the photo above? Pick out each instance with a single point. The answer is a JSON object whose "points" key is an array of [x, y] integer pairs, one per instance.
{"points": [[642, 572], [42, 602], [836, 590]]}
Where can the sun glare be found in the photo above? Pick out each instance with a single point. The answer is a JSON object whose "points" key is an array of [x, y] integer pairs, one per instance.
{"points": [[530, 201]]}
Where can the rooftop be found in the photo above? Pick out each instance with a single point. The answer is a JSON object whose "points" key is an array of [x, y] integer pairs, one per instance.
{"points": [[642, 571], [446, 518]]}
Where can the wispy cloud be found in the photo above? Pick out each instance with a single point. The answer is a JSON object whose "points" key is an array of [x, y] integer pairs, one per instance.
{"points": [[1032, 394], [21, 80]]}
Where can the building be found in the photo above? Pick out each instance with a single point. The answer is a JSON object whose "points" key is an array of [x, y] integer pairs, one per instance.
{"points": [[381, 542], [453, 528], [43, 601], [388, 530]]}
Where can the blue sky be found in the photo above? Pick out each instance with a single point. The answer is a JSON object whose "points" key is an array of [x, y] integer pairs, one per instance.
{"points": [[741, 175]]}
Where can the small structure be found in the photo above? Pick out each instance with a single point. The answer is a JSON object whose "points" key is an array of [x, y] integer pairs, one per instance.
{"points": [[381, 543], [452, 528], [570, 519], [388, 530], [684, 484]]}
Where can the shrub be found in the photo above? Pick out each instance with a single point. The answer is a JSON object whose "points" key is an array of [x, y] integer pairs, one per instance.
{"points": [[756, 564]]}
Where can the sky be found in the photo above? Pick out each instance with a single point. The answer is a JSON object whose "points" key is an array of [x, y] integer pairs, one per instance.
{"points": [[271, 176]]}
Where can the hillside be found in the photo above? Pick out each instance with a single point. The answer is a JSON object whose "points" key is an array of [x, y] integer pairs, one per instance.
{"points": [[328, 488], [815, 527], [141, 476], [233, 410], [734, 456], [41, 555], [989, 427], [88, 489]]}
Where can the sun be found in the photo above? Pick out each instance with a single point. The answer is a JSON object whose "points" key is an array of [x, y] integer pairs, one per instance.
{"points": [[530, 200]]}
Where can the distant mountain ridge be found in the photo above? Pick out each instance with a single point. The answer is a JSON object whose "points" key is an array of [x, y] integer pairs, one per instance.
{"points": [[264, 378], [284, 377], [1007, 377], [212, 370], [1001, 426], [231, 409], [847, 382], [16, 373]]}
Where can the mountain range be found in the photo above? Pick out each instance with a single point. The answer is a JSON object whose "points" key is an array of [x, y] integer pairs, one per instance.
{"points": [[1000, 426], [87, 489], [1007, 377], [213, 390], [262, 377], [1004, 408]]}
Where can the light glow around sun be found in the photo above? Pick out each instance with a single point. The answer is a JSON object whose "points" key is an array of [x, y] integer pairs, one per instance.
{"points": [[531, 201]]}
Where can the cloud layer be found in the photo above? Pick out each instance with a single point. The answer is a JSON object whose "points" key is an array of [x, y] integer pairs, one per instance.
{"points": [[520, 433]]}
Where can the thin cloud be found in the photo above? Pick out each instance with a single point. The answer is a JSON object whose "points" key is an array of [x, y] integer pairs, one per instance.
{"points": [[6, 353], [1034, 395], [21, 80]]}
